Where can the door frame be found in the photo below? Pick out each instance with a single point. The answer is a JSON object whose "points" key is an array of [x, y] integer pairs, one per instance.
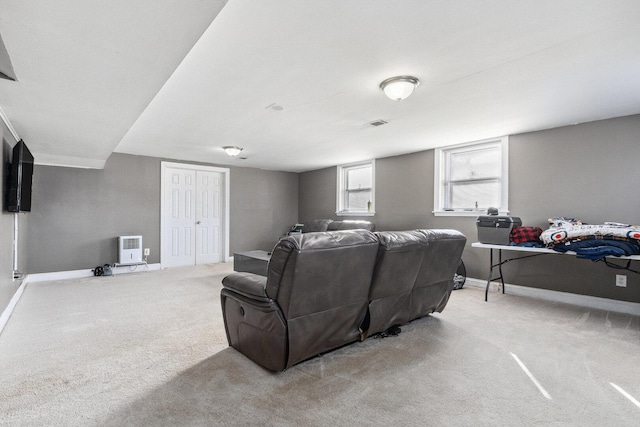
{"points": [[226, 173]]}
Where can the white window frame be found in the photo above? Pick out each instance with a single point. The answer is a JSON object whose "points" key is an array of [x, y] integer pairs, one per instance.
{"points": [[441, 172], [341, 190]]}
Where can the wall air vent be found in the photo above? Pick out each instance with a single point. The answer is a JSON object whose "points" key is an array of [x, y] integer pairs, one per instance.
{"points": [[377, 123]]}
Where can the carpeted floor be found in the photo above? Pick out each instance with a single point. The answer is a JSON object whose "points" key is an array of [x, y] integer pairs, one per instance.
{"points": [[149, 349]]}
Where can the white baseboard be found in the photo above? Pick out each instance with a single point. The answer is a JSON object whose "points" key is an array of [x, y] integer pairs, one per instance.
{"points": [[4, 318], [563, 297], [61, 275], [76, 274]]}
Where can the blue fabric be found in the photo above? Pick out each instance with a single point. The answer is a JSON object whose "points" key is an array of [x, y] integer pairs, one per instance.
{"points": [[595, 250], [527, 244]]}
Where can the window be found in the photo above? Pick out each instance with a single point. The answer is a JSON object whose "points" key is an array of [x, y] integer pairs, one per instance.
{"points": [[356, 183], [470, 178]]}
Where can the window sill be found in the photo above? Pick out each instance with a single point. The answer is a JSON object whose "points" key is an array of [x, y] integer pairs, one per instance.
{"points": [[466, 213], [344, 213]]}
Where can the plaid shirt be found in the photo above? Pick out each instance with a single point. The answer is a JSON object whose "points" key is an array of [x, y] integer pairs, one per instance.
{"points": [[525, 234]]}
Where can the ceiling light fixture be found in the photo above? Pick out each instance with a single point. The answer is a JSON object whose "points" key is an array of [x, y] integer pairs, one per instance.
{"points": [[232, 150], [400, 87]]}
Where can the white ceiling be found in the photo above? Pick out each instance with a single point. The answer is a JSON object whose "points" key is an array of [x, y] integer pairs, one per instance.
{"points": [[180, 79]]}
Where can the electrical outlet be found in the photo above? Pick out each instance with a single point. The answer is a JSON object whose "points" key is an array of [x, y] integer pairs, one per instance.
{"points": [[146, 251], [621, 280]]}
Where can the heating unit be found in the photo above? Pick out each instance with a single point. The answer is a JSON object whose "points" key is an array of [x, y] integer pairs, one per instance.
{"points": [[129, 250]]}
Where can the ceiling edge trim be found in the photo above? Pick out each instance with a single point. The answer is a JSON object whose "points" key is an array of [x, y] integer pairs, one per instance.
{"points": [[7, 123], [67, 161], [6, 67]]}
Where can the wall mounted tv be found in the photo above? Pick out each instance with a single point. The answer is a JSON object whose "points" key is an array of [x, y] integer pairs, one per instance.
{"points": [[20, 179]]}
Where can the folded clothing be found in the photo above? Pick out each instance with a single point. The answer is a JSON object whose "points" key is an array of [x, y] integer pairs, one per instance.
{"points": [[597, 249], [612, 231]]}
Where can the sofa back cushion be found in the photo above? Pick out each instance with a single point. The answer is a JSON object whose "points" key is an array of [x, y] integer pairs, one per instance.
{"points": [[400, 256], [435, 278], [413, 275], [321, 283], [316, 225], [351, 225]]}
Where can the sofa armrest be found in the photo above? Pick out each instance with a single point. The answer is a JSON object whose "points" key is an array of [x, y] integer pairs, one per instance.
{"points": [[247, 284]]}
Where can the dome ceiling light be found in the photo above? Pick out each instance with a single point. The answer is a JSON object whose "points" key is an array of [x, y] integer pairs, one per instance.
{"points": [[400, 87], [232, 150]]}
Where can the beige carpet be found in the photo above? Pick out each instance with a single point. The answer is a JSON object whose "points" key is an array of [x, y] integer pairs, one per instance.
{"points": [[149, 349]]}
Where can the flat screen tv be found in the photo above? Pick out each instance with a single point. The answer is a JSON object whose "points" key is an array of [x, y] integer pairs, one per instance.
{"points": [[20, 179]]}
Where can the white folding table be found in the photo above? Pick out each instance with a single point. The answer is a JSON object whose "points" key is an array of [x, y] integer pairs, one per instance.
{"points": [[533, 252]]}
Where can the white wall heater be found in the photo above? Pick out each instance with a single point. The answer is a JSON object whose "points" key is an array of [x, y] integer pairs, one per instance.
{"points": [[129, 250]]}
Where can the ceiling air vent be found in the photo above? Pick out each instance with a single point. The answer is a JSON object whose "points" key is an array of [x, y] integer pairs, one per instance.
{"points": [[377, 123]]}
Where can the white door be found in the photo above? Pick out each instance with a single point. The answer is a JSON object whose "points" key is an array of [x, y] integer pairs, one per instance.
{"points": [[194, 211], [208, 217]]}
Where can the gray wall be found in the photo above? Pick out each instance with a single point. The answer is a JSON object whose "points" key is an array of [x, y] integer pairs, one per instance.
{"points": [[8, 286], [77, 213], [587, 171], [317, 199], [264, 206]]}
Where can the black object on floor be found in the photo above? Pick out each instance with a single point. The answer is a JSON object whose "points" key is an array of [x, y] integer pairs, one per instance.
{"points": [[391, 332], [460, 277]]}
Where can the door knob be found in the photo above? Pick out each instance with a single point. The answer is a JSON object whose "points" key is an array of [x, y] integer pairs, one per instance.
{"points": [[197, 222]]}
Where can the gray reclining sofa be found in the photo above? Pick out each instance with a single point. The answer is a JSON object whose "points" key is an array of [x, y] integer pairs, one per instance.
{"points": [[324, 290]]}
